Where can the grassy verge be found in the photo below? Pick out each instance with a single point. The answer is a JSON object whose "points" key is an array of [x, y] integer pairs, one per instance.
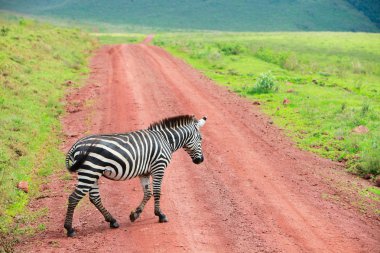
{"points": [[324, 85], [36, 61]]}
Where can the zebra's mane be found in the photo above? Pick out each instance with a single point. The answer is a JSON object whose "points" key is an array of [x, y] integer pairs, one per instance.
{"points": [[173, 122]]}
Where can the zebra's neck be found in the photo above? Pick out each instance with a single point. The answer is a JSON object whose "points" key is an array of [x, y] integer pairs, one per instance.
{"points": [[175, 137], [176, 130]]}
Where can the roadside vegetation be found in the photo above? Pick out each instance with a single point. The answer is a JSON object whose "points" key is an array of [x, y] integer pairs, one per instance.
{"points": [[37, 64], [322, 88]]}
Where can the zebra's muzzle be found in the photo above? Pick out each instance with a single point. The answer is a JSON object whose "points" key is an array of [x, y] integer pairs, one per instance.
{"points": [[198, 160]]}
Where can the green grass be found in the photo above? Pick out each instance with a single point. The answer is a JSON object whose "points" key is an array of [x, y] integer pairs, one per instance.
{"points": [[332, 81], [374, 190], [36, 60]]}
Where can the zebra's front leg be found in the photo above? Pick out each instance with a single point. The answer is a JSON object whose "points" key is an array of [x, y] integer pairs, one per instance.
{"points": [[157, 180], [145, 183], [96, 200]]}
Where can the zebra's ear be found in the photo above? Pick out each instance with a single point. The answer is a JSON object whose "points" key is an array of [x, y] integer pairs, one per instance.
{"points": [[201, 122]]}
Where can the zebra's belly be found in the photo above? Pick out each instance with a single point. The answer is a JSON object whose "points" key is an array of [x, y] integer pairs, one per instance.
{"points": [[127, 173]]}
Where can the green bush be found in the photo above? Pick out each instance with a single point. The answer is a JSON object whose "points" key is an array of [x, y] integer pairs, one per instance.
{"points": [[230, 49], [370, 162], [265, 84], [4, 31]]}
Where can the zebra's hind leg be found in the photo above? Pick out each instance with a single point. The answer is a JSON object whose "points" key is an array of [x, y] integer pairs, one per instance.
{"points": [[96, 200], [86, 180], [157, 180], [74, 199], [145, 183]]}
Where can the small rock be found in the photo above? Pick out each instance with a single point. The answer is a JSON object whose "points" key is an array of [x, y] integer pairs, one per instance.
{"points": [[71, 134], [23, 185], [367, 176], [377, 181], [270, 122], [360, 130], [72, 109], [286, 101], [69, 82], [44, 187], [256, 103]]}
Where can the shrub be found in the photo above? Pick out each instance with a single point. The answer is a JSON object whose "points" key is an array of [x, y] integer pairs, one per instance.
{"points": [[369, 164], [265, 84], [230, 49], [4, 31]]}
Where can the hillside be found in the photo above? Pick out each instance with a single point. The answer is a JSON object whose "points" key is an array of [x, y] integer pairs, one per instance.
{"points": [[259, 15], [370, 8]]}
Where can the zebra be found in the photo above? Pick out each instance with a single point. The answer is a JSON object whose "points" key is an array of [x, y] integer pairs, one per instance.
{"points": [[143, 153]]}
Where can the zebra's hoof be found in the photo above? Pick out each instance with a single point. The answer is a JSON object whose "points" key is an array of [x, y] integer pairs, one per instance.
{"points": [[114, 224], [133, 216], [70, 232], [162, 219]]}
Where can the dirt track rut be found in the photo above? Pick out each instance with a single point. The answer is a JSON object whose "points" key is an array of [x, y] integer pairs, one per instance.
{"points": [[255, 192]]}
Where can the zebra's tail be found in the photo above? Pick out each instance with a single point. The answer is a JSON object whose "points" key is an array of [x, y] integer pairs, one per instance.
{"points": [[77, 163], [80, 159]]}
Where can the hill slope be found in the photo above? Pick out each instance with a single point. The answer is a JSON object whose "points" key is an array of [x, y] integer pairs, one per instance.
{"points": [[370, 8], [259, 15]]}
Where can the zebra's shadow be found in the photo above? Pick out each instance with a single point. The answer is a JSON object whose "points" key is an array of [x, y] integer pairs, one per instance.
{"points": [[88, 229]]}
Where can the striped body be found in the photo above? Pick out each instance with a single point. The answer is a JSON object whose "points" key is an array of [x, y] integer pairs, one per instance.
{"points": [[142, 154], [122, 156]]}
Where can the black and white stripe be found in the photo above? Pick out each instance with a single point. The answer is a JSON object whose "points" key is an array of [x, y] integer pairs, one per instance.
{"points": [[140, 154]]}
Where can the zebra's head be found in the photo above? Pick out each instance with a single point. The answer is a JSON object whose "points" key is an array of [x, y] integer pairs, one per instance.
{"points": [[193, 146]]}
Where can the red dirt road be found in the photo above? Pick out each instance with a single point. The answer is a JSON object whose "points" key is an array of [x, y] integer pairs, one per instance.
{"points": [[255, 192]]}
